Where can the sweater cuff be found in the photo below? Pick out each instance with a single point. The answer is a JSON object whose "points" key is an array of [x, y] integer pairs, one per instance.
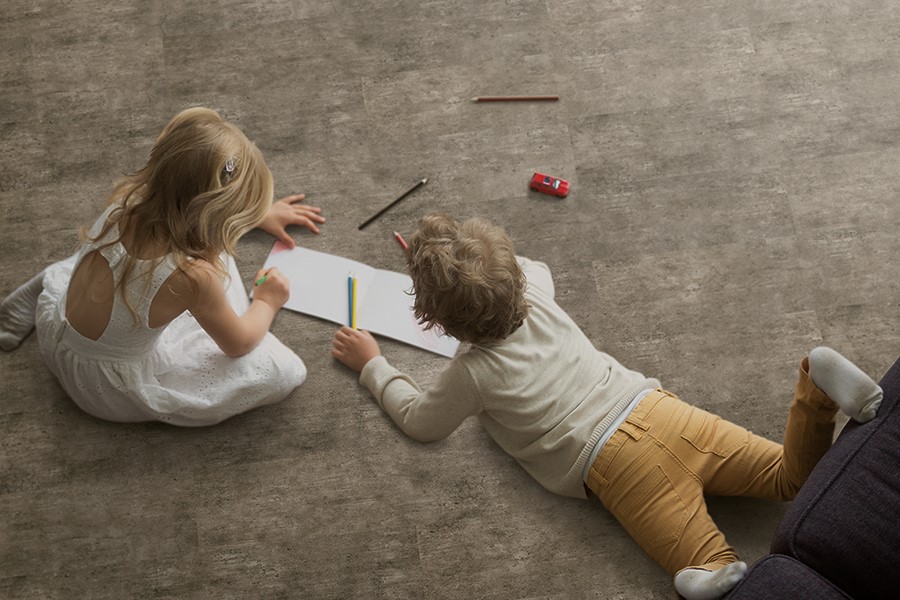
{"points": [[376, 374]]}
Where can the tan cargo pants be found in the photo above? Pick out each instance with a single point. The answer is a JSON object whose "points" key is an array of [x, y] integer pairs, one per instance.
{"points": [[653, 472]]}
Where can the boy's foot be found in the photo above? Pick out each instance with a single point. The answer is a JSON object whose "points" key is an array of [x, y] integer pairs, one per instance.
{"points": [[17, 313], [853, 391], [695, 583]]}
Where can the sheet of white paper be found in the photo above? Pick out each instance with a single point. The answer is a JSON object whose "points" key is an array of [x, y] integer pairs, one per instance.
{"points": [[319, 281], [384, 306], [388, 309]]}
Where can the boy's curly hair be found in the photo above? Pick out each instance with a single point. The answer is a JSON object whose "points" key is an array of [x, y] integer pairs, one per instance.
{"points": [[466, 279]]}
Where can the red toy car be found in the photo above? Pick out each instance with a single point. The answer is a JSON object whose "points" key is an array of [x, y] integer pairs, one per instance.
{"points": [[549, 185]]}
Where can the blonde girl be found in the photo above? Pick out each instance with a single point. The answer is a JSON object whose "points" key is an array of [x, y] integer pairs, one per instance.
{"points": [[149, 320]]}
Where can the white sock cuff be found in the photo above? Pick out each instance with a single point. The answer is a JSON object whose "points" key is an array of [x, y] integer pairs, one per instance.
{"points": [[852, 390], [696, 583]]}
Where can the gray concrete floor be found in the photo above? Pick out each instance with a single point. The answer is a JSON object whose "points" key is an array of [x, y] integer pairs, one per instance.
{"points": [[735, 178]]}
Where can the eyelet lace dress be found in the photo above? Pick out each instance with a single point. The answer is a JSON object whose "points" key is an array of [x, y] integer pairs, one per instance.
{"points": [[175, 373]]}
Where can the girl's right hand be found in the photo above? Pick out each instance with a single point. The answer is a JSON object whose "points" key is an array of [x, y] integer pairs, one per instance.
{"points": [[275, 290], [288, 211]]}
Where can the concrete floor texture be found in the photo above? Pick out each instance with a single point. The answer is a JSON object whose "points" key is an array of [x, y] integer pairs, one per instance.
{"points": [[735, 176]]}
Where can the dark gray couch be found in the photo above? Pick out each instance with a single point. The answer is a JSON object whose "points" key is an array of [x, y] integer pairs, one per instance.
{"points": [[840, 537]]}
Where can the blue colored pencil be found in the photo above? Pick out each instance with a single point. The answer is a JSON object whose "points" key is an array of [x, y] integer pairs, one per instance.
{"points": [[350, 300]]}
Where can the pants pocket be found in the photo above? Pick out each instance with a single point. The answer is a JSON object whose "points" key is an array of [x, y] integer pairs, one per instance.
{"points": [[711, 434], [652, 510]]}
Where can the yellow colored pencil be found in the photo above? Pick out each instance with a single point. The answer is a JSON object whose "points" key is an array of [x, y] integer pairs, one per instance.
{"points": [[353, 305]]}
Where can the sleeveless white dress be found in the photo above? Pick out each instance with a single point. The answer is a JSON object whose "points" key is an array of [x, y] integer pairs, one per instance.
{"points": [[175, 373]]}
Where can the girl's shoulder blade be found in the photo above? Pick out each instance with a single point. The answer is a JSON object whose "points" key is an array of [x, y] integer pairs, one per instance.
{"points": [[200, 279]]}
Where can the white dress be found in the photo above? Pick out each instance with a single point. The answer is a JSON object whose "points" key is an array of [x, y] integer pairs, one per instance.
{"points": [[175, 373]]}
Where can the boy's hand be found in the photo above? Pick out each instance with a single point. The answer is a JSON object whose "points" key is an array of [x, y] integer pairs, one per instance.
{"points": [[354, 347], [290, 211], [275, 290]]}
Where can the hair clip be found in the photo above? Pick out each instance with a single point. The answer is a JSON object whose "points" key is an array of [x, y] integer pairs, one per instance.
{"points": [[227, 171]]}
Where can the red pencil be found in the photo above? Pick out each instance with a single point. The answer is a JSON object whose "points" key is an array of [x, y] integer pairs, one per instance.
{"points": [[401, 240], [514, 98]]}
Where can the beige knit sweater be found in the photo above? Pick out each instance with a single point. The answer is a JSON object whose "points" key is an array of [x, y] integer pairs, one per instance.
{"points": [[544, 394]]}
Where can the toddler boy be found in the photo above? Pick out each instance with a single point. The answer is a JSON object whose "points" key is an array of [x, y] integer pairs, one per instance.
{"points": [[576, 419]]}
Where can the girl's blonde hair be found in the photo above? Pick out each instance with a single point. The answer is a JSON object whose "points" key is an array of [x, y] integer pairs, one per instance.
{"points": [[203, 187], [466, 279]]}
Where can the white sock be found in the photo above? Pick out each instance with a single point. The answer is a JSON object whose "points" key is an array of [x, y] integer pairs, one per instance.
{"points": [[17, 313], [851, 389], [700, 584]]}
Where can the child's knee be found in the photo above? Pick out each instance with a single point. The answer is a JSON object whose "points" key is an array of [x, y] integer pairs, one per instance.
{"points": [[787, 488]]}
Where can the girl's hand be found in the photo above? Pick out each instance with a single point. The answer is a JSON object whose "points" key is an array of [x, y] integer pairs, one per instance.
{"points": [[275, 290], [290, 211], [354, 347]]}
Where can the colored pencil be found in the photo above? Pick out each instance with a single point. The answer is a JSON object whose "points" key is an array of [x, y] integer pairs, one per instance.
{"points": [[400, 239], [401, 197], [350, 300], [515, 99], [261, 280], [353, 315]]}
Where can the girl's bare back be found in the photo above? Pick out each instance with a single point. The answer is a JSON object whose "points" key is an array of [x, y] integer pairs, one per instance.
{"points": [[89, 301]]}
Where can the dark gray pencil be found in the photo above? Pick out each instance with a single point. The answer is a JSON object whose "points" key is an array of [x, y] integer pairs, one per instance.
{"points": [[383, 210]]}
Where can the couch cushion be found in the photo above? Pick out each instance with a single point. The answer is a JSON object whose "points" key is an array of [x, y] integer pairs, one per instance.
{"points": [[844, 521], [779, 577]]}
